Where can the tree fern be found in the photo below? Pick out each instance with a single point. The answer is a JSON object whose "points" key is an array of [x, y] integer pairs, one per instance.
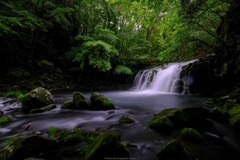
{"points": [[121, 69]]}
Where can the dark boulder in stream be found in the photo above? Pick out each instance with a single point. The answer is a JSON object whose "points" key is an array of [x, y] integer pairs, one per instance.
{"points": [[38, 98], [97, 102], [100, 102], [195, 117]]}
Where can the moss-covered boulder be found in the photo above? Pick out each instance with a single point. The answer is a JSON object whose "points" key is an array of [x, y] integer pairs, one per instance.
{"points": [[106, 146], [161, 124], [68, 104], [36, 99], [195, 117], [28, 145], [100, 102], [125, 119], [80, 101], [174, 150], [5, 119], [191, 135]]}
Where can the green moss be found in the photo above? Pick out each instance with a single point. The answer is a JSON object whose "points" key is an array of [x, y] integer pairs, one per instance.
{"points": [[229, 104], [37, 98], [190, 134], [78, 96], [68, 104], [43, 109], [100, 102], [161, 124], [125, 119], [174, 150], [235, 115], [219, 114], [13, 146], [68, 136], [5, 119], [106, 145], [181, 117]]}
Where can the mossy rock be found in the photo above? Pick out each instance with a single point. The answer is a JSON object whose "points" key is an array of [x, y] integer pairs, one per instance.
{"points": [[191, 135], [80, 101], [161, 124], [219, 114], [68, 104], [37, 98], [235, 117], [195, 117], [106, 145], [229, 104], [5, 119], [25, 146], [174, 150], [125, 119], [43, 109], [100, 102]]}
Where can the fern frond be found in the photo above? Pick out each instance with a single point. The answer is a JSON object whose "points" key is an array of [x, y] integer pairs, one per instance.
{"points": [[121, 69]]}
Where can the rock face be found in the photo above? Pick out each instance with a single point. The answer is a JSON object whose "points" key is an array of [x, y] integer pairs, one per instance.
{"points": [[100, 102], [36, 99]]}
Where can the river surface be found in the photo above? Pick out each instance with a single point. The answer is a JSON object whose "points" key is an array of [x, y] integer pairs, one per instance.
{"points": [[138, 105]]}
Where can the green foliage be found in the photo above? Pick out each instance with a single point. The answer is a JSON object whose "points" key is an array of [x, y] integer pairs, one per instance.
{"points": [[18, 73], [5, 119], [95, 51], [121, 69]]}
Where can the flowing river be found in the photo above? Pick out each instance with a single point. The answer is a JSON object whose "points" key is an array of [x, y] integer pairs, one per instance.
{"points": [[140, 105]]}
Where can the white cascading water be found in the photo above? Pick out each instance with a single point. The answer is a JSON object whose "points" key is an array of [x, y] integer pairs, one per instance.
{"points": [[162, 79]]}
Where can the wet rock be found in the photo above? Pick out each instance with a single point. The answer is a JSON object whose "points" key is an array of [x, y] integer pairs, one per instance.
{"points": [[27, 145], [161, 124], [5, 119], [43, 109], [174, 150], [191, 135], [125, 119], [64, 144], [106, 146], [80, 101], [68, 104], [194, 117], [36, 99], [100, 102]]}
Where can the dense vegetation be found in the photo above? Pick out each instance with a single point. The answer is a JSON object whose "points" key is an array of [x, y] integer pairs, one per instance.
{"points": [[107, 38]]}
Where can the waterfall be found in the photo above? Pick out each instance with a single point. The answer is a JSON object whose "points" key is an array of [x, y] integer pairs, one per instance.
{"points": [[163, 79]]}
